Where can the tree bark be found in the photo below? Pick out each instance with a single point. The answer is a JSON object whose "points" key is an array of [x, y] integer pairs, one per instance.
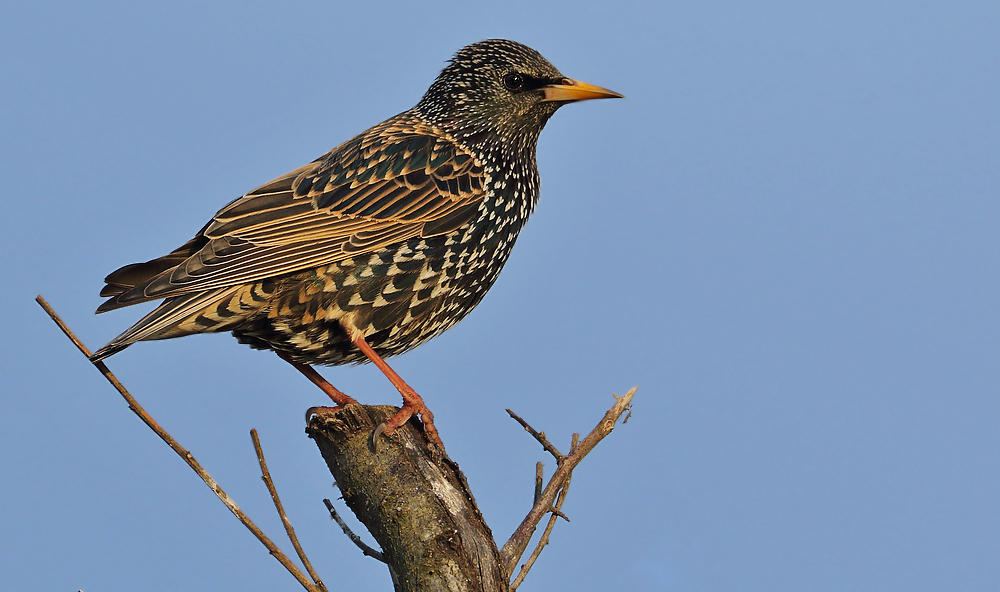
{"points": [[413, 499]]}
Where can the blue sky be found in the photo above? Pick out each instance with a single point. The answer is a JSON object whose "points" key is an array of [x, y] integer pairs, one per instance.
{"points": [[786, 235]]}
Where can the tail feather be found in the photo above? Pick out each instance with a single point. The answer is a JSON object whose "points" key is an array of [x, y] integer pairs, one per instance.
{"points": [[137, 275], [202, 312]]}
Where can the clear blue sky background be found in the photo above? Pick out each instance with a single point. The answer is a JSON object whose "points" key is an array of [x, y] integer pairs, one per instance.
{"points": [[787, 235]]}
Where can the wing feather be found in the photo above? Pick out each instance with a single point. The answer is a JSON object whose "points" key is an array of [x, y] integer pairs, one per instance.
{"points": [[400, 180]]}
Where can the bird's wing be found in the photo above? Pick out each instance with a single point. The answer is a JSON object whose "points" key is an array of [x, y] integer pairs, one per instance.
{"points": [[397, 181]]}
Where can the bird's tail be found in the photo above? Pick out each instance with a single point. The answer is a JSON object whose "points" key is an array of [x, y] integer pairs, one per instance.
{"points": [[203, 312]]}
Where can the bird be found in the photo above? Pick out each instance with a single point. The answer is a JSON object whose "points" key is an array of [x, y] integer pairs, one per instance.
{"points": [[382, 243]]}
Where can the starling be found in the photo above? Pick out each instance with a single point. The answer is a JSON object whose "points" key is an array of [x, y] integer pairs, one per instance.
{"points": [[380, 244]]}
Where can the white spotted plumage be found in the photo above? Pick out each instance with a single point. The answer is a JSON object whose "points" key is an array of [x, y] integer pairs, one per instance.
{"points": [[401, 230]]}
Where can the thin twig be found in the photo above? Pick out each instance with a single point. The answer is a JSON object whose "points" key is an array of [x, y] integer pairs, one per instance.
{"points": [[184, 454], [518, 542], [539, 480], [350, 534], [556, 513], [265, 475], [540, 436], [544, 540]]}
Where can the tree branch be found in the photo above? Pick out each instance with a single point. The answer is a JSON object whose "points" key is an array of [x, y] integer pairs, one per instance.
{"points": [[540, 436], [184, 454], [518, 542], [542, 542], [412, 499], [265, 475], [360, 544]]}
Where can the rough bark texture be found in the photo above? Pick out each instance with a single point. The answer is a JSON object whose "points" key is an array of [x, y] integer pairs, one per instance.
{"points": [[413, 500]]}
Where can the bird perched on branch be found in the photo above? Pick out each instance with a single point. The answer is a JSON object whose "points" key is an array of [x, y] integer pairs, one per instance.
{"points": [[380, 244]]}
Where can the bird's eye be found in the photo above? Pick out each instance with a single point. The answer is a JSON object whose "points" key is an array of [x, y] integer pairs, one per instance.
{"points": [[514, 81]]}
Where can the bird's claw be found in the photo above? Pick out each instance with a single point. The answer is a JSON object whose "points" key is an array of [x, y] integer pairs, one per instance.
{"points": [[317, 410], [378, 431]]}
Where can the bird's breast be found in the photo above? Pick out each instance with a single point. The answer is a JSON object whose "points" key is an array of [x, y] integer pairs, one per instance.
{"points": [[399, 296]]}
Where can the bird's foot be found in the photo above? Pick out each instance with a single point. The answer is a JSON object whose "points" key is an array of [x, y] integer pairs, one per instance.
{"points": [[412, 405]]}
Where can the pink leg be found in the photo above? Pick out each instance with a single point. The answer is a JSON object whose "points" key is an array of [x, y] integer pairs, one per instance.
{"points": [[412, 403], [338, 397]]}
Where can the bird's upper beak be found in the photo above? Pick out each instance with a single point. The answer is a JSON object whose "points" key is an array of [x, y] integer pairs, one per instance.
{"points": [[573, 90]]}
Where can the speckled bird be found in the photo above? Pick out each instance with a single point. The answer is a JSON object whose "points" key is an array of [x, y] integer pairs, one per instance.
{"points": [[380, 244]]}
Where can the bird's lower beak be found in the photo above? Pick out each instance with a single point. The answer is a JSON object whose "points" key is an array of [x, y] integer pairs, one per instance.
{"points": [[573, 90]]}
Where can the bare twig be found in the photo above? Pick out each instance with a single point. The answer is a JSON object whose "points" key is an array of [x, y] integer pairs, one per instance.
{"points": [[556, 513], [542, 542], [184, 454], [265, 475], [539, 480], [518, 542], [350, 534], [540, 436]]}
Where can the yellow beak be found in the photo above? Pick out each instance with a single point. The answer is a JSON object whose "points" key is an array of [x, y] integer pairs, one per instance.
{"points": [[574, 90]]}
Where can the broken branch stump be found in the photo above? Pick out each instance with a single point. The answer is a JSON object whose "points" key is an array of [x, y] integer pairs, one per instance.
{"points": [[413, 500]]}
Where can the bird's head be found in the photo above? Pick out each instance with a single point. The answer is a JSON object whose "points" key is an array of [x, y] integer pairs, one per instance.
{"points": [[502, 90]]}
